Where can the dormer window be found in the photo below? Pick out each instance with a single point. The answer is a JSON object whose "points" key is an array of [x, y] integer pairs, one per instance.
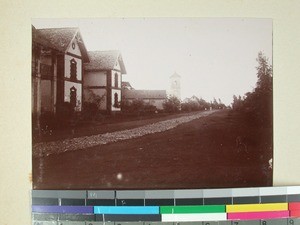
{"points": [[73, 72]]}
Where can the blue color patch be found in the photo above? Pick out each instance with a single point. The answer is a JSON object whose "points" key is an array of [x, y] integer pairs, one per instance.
{"points": [[126, 209], [62, 209]]}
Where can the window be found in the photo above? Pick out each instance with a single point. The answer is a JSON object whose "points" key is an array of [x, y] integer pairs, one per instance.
{"points": [[73, 71], [46, 71], [116, 80], [116, 102], [73, 96]]}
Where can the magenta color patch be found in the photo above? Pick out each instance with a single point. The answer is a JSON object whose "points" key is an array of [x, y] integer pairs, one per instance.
{"points": [[258, 215]]}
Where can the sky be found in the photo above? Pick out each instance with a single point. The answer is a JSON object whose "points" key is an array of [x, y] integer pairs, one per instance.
{"points": [[215, 57]]}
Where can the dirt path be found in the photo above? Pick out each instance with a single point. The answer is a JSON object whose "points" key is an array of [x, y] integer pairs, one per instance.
{"points": [[55, 147], [201, 153]]}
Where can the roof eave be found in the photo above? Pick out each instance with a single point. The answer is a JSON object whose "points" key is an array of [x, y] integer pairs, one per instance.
{"points": [[81, 45], [122, 65], [83, 49]]}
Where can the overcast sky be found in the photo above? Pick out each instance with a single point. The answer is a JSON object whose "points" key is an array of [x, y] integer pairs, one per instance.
{"points": [[214, 57]]}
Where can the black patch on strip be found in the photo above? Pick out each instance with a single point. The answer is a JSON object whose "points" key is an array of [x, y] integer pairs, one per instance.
{"points": [[100, 202], [73, 202], [273, 199], [246, 200], [293, 198], [44, 201], [217, 201], [189, 201], [130, 202], [159, 202]]}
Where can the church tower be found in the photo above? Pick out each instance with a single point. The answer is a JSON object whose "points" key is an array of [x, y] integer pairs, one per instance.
{"points": [[175, 86]]}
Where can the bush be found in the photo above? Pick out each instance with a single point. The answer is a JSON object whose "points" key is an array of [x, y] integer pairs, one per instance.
{"points": [[171, 104], [190, 106], [48, 121], [91, 108], [138, 107]]}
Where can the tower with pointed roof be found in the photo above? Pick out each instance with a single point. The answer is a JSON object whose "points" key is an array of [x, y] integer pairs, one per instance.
{"points": [[175, 89]]}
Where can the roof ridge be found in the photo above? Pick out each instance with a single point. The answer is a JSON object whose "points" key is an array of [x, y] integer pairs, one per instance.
{"points": [[146, 90], [56, 28], [105, 51]]}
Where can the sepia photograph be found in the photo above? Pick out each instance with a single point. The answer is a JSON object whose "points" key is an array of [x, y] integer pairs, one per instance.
{"points": [[152, 103]]}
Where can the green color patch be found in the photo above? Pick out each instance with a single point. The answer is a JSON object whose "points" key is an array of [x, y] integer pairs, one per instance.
{"points": [[192, 209]]}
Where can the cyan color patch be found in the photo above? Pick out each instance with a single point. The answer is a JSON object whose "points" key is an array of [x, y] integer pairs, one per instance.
{"points": [[126, 210]]}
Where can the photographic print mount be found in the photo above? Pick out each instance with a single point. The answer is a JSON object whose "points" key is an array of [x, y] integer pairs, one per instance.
{"points": [[152, 103]]}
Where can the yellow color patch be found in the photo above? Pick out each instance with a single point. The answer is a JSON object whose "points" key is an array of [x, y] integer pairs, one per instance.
{"points": [[257, 207]]}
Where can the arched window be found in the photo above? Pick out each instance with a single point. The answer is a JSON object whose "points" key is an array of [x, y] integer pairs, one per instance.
{"points": [[116, 80], [73, 72], [116, 102], [73, 96]]}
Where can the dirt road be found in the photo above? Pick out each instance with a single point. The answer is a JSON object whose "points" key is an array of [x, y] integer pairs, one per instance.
{"points": [[56, 147], [202, 153]]}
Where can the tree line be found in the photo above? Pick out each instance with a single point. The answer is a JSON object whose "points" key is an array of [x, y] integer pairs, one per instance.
{"points": [[173, 104], [258, 104]]}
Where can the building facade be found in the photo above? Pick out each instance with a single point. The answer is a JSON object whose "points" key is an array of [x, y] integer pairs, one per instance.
{"points": [[58, 55], [151, 97], [103, 78]]}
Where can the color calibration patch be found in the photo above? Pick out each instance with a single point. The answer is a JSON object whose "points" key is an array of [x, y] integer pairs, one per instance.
{"points": [[238, 206]]}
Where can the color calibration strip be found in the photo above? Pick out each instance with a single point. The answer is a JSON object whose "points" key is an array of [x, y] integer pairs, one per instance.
{"points": [[261, 206]]}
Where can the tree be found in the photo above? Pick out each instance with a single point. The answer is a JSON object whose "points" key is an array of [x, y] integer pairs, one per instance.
{"points": [[171, 104], [264, 74], [263, 95], [215, 104], [259, 104], [92, 105], [204, 105]]}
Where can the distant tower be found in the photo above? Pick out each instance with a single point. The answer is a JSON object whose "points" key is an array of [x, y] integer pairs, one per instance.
{"points": [[175, 86]]}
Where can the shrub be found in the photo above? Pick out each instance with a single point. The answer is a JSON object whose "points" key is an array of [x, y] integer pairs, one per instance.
{"points": [[48, 121], [171, 104], [138, 107]]}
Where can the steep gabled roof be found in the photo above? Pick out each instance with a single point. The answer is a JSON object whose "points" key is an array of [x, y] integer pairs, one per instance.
{"points": [[144, 94], [104, 60], [60, 39], [37, 38], [175, 75]]}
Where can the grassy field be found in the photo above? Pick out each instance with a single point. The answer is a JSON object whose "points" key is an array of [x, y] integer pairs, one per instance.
{"points": [[220, 150]]}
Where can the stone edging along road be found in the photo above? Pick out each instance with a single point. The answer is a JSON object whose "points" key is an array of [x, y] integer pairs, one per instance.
{"points": [[55, 147]]}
